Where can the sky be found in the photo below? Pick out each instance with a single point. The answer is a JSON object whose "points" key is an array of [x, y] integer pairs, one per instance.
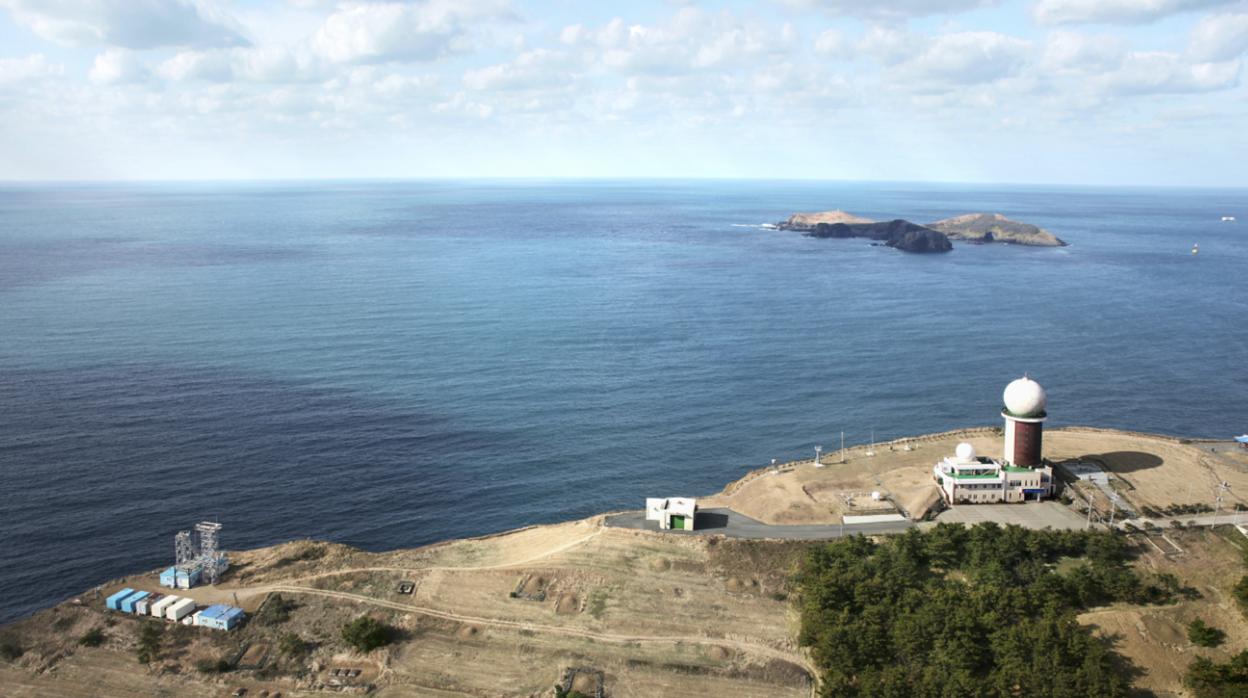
{"points": [[1070, 92]]}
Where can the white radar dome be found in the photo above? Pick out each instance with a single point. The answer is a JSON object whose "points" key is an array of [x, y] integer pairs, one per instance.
{"points": [[1025, 398], [965, 452]]}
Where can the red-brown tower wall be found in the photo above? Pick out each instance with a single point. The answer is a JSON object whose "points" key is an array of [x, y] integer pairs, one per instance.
{"points": [[1027, 442]]}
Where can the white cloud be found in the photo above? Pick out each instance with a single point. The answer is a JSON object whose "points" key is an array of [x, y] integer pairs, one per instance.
{"points": [[136, 24], [890, 9], [691, 40], [28, 68], [117, 66], [833, 43], [539, 68], [262, 64], [1115, 11], [1158, 72], [1220, 37], [391, 31], [1075, 54], [889, 46], [966, 58]]}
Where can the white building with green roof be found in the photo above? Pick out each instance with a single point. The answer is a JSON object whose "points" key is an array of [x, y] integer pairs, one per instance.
{"points": [[967, 478]]}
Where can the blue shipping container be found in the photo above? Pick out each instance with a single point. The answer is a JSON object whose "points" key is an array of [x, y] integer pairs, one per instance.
{"points": [[111, 603], [127, 604], [168, 578]]}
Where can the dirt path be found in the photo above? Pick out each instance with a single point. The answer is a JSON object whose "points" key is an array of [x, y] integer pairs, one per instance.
{"points": [[252, 591], [747, 647]]}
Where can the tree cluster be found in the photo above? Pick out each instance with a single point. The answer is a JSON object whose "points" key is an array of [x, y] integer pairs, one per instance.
{"points": [[148, 647], [1210, 680], [976, 612], [1204, 635], [366, 634]]}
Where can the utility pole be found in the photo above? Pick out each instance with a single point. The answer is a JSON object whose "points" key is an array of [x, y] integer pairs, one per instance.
{"points": [[1222, 488], [842, 447], [818, 450], [1088, 523]]}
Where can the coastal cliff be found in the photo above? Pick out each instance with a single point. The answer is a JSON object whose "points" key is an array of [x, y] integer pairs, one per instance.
{"points": [[976, 228], [898, 234]]}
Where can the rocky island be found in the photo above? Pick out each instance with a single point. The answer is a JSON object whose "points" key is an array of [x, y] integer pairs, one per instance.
{"points": [[977, 228], [994, 227]]}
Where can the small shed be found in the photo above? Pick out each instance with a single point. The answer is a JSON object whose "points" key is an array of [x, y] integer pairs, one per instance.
{"points": [[219, 616], [672, 512]]}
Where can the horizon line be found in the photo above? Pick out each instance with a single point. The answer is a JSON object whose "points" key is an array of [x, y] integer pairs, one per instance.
{"points": [[597, 178]]}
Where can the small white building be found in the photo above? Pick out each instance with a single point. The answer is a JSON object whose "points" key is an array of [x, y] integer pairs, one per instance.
{"points": [[966, 478], [672, 512]]}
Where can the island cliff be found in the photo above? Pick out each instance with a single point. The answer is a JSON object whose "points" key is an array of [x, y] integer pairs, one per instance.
{"points": [[978, 228], [898, 234]]}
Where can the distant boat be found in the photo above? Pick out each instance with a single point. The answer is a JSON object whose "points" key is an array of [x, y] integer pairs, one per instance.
{"points": [[1228, 219], [1195, 249]]}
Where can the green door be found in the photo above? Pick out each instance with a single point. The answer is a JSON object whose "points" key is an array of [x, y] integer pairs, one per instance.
{"points": [[678, 522]]}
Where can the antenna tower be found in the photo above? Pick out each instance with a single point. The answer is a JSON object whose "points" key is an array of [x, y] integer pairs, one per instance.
{"points": [[208, 549], [183, 548]]}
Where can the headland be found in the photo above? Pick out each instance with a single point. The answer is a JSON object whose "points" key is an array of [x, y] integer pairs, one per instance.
{"points": [[638, 612]]}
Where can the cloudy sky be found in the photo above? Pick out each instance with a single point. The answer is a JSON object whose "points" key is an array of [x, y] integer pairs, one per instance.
{"points": [[1049, 91]]}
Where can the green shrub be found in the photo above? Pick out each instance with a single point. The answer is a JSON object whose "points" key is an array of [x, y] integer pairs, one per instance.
{"points": [[276, 610], [1210, 680], [148, 646], [292, 645], [314, 552], [366, 634], [92, 638], [1240, 592], [1204, 635], [10, 649]]}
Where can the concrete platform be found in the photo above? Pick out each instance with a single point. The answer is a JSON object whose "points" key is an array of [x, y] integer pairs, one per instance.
{"points": [[1028, 515]]}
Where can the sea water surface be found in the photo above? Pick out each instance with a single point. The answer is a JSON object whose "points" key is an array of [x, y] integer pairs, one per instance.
{"points": [[392, 364]]}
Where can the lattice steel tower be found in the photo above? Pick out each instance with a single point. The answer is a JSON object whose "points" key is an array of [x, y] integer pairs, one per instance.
{"points": [[183, 548], [208, 549]]}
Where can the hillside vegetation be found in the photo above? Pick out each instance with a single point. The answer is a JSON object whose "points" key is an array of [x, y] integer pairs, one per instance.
{"points": [[982, 611]]}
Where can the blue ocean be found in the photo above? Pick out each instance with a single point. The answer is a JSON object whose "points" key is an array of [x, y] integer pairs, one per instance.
{"points": [[388, 364]]}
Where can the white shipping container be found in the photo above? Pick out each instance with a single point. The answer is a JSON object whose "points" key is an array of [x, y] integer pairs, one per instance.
{"points": [[158, 608], [195, 617], [180, 610]]}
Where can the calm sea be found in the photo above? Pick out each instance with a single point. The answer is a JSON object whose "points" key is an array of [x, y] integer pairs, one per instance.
{"points": [[391, 364]]}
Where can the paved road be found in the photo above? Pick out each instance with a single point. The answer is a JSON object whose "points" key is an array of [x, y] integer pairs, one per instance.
{"points": [[1035, 515], [726, 522]]}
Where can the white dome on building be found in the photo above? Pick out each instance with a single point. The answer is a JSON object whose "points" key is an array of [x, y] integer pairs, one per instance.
{"points": [[1025, 398], [965, 452]]}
